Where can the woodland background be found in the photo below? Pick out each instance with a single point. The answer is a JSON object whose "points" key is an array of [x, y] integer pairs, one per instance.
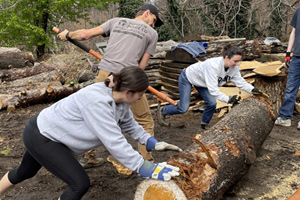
{"points": [[27, 24]]}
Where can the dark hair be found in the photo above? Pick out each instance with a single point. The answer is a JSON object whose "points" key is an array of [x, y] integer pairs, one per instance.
{"points": [[132, 79], [231, 51]]}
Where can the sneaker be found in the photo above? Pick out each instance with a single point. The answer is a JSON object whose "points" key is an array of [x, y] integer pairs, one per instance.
{"points": [[161, 117], [90, 162], [283, 122], [298, 126]]}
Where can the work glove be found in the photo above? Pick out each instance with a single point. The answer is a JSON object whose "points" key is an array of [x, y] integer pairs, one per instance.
{"points": [[235, 99], [256, 91], [287, 59], [153, 144], [161, 171]]}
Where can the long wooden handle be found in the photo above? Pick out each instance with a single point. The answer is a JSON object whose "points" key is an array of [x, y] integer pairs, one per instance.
{"points": [[97, 55]]}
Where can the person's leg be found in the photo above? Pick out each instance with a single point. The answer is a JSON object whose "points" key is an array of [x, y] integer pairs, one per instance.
{"points": [[142, 114], [57, 159], [5, 184], [292, 88], [185, 88], [210, 105]]}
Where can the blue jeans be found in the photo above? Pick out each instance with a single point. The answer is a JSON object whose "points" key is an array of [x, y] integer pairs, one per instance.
{"points": [[185, 88], [291, 90]]}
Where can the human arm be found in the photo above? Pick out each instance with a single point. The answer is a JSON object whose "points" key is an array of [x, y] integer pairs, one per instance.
{"points": [[240, 82], [144, 60], [290, 47], [82, 34]]}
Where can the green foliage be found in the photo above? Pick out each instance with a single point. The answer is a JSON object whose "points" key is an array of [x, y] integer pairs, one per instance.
{"points": [[28, 23], [129, 8]]}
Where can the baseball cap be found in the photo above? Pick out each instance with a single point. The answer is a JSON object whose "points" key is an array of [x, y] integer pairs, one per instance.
{"points": [[154, 11]]}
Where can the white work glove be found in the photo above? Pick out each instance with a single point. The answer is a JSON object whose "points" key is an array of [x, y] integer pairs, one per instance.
{"points": [[161, 146], [161, 171]]}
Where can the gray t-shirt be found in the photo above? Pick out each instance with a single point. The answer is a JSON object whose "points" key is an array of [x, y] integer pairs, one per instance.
{"points": [[296, 24], [129, 40]]}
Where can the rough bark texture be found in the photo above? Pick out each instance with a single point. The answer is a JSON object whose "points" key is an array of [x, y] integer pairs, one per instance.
{"points": [[40, 95], [14, 73], [233, 143], [274, 87], [16, 60]]}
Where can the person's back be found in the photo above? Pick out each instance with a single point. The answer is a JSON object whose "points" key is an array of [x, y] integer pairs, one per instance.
{"points": [[129, 40]]}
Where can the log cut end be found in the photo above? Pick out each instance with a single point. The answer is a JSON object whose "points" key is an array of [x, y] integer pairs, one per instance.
{"points": [[160, 190]]}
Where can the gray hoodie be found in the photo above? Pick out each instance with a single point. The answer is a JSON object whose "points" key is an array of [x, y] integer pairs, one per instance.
{"points": [[90, 118]]}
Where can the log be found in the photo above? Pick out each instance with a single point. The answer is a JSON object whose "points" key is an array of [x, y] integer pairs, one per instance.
{"points": [[16, 60], [232, 144], [40, 95], [29, 82], [38, 68]]}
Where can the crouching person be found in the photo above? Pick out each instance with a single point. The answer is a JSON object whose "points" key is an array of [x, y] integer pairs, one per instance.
{"points": [[95, 115]]}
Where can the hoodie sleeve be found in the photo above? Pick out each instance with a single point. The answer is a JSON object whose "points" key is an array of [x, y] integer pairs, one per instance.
{"points": [[210, 73], [240, 82], [101, 121]]}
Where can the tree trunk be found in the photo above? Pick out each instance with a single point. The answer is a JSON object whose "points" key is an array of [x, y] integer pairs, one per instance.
{"points": [[16, 60], [232, 143], [14, 74], [29, 82], [40, 95]]}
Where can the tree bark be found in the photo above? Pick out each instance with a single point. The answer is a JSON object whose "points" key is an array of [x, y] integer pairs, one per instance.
{"points": [[16, 60], [39, 95], [14, 73], [29, 82], [232, 143]]}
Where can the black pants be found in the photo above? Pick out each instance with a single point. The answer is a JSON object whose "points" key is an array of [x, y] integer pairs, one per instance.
{"points": [[55, 157]]}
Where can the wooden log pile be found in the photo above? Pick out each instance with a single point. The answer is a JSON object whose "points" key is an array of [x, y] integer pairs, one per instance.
{"points": [[25, 82]]}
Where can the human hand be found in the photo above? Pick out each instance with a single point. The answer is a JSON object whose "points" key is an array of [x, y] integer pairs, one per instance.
{"points": [[235, 99], [161, 171], [258, 92], [62, 35], [161, 146], [287, 59]]}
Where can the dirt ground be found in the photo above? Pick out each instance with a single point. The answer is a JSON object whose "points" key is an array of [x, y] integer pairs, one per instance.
{"points": [[274, 175]]}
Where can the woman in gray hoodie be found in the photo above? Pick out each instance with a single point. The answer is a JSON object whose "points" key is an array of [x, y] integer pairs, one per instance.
{"points": [[95, 115]]}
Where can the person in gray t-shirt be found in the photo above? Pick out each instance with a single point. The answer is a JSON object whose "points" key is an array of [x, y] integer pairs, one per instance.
{"points": [[131, 43]]}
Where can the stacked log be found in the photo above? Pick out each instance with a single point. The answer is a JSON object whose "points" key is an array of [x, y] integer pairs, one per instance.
{"points": [[25, 82]]}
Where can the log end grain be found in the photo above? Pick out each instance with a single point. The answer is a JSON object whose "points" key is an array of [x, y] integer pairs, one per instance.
{"points": [[160, 190]]}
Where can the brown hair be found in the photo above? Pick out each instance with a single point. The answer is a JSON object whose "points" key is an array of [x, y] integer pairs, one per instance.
{"points": [[132, 79], [231, 51]]}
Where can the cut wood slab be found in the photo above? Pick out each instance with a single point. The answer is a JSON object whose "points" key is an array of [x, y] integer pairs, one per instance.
{"points": [[269, 69], [245, 65], [175, 65], [230, 91]]}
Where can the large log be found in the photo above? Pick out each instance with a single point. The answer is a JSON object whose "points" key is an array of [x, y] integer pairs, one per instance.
{"points": [[38, 68], [16, 60], [232, 143], [29, 82], [40, 95]]}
